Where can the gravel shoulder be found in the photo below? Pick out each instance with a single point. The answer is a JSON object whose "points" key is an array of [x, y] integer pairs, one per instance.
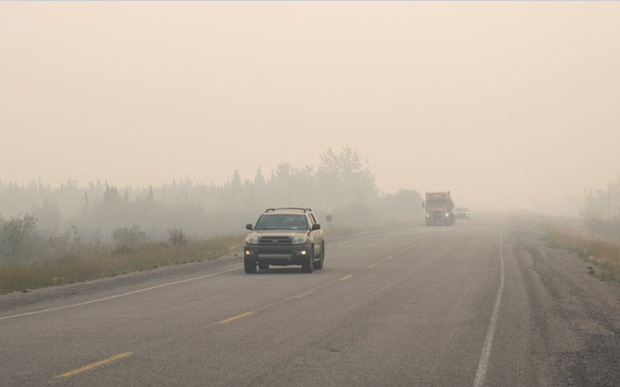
{"points": [[576, 317]]}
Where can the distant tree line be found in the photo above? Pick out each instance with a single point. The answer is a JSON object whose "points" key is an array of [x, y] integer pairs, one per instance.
{"points": [[341, 185], [603, 202]]}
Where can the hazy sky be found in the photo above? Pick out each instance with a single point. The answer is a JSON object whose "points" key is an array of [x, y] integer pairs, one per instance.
{"points": [[499, 102]]}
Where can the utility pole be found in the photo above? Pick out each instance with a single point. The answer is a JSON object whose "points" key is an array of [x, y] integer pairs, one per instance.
{"points": [[609, 200]]}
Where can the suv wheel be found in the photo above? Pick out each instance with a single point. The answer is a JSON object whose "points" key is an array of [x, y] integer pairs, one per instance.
{"points": [[263, 266], [249, 266], [319, 265], [308, 266]]}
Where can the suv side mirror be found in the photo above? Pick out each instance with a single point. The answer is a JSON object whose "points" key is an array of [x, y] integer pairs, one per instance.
{"points": [[316, 226], [249, 226]]}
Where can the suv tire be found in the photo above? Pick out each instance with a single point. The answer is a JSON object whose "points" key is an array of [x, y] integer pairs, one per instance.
{"points": [[308, 266], [249, 266], [319, 265]]}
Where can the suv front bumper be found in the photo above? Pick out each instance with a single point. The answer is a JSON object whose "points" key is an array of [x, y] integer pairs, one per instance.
{"points": [[277, 255]]}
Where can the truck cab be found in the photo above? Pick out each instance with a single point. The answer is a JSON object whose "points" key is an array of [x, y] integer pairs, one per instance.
{"points": [[439, 207]]}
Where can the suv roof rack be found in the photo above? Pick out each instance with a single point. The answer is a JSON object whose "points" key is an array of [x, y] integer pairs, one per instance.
{"points": [[289, 208]]}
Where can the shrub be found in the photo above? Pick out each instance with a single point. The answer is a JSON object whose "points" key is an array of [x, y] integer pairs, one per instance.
{"points": [[127, 239], [603, 227], [18, 238], [177, 237]]}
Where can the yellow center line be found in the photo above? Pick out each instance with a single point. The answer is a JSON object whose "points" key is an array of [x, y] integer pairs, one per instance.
{"points": [[373, 265], [346, 278], [237, 317], [390, 257], [94, 365], [302, 295]]}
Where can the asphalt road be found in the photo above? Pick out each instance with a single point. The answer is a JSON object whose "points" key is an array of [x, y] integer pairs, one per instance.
{"points": [[446, 306]]}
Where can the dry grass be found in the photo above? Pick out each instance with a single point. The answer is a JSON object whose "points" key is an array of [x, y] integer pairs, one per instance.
{"points": [[77, 269], [604, 254]]}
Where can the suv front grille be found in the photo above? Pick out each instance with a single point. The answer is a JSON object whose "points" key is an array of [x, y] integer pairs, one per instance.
{"points": [[278, 241]]}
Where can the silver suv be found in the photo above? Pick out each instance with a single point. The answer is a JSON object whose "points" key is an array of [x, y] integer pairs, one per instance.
{"points": [[283, 237]]}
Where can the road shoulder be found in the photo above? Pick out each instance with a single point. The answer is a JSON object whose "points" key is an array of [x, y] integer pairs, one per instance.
{"points": [[576, 317]]}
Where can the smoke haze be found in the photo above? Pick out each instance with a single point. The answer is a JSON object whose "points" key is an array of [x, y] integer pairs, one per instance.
{"points": [[505, 104]]}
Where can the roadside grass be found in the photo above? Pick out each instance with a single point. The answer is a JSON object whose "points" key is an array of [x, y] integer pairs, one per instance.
{"points": [[604, 255], [83, 268]]}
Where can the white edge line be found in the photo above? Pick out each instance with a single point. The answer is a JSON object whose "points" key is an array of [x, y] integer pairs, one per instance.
{"points": [[488, 341], [115, 296]]}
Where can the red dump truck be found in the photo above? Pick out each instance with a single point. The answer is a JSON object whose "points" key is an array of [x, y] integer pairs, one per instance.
{"points": [[439, 207]]}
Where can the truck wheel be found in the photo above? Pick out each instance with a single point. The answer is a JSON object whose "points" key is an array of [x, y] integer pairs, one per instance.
{"points": [[263, 266], [249, 266], [319, 265]]}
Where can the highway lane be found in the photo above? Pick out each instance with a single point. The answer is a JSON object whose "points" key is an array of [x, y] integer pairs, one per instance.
{"points": [[410, 307]]}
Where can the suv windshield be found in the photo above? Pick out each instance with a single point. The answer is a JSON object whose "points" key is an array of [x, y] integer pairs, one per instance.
{"points": [[282, 222]]}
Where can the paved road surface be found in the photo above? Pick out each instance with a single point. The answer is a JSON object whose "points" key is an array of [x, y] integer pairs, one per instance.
{"points": [[446, 306]]}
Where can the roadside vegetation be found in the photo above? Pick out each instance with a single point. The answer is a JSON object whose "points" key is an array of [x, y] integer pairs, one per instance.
{"points": [[66, 260], [594, 239]]}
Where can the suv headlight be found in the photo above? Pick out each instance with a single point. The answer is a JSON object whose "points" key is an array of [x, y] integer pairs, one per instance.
{"points": [[298, 240], [251, 240], [447, 214]]}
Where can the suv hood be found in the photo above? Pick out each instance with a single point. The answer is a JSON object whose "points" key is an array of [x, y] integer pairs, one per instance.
{"points": [[279, 233]]}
